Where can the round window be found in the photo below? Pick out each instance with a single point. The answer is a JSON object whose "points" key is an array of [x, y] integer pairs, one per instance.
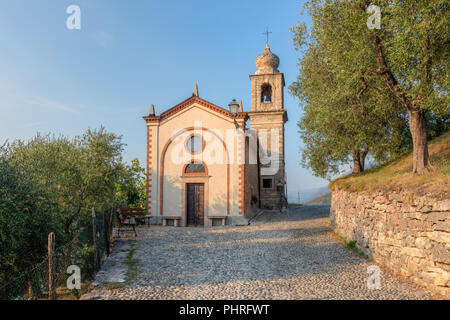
{"points": [[195, 144]]}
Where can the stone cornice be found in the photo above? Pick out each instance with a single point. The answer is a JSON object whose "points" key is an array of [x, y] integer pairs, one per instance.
{"points": [[282, 112]]}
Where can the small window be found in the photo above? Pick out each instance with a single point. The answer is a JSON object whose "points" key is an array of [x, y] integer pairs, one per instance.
{"points": [[266, 93], [195, 167], [267, 183], [195, 144]]}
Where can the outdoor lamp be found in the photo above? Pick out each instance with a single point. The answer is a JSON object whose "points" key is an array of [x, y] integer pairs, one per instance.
{"points": [[234, 109]]}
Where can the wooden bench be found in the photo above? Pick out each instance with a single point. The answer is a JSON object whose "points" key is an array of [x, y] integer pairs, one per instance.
{"points": [[212, 218], [176, 220], [127, 218]]}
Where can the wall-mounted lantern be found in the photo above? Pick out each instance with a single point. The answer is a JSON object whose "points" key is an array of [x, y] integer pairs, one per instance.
{"points": [[234, 109]]}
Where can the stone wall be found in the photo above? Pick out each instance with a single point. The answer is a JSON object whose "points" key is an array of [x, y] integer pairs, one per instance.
{"points": [[409, 235]]}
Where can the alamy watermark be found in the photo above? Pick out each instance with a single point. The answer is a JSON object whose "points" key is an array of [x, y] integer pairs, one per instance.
{"points": [[374, 20], [73, 22], [74, 281], [374, 279]]}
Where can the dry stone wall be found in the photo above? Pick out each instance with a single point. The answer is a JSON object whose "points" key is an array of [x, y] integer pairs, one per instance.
{"points": [[408, 235]]}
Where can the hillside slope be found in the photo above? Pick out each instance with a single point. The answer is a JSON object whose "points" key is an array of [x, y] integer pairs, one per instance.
{"points": [[323, 199], [397, 175]]}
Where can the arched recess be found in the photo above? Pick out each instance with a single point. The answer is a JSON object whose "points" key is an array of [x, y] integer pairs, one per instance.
{"points": [[266, 93], [163, 154]]}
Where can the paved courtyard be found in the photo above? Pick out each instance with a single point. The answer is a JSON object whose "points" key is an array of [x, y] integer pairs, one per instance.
{"points": [[289, 255]]}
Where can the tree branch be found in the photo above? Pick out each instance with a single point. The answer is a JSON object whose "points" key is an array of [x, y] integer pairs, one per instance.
{"points": [[387, 75], [364, 85], [383, 69]]}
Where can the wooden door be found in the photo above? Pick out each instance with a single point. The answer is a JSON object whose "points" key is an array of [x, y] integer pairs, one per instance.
{"points": [[195, 203]]}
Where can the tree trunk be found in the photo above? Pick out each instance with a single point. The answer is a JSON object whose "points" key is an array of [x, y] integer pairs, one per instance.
{"points": [[359, 158], [30, 290], [362, 160], [418, 128], [417, 119], [357, 164]]}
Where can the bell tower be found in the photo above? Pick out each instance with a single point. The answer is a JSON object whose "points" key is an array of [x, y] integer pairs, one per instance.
{"points": [[267, 118], [267, 83]]}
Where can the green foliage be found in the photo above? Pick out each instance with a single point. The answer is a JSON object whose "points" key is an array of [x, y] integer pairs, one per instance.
{"points": [[79, 175], [351, 101], [348, 112], [414, 36], [131, 186], [351, 245], [87, 258], [50, 184], [27, 216]]}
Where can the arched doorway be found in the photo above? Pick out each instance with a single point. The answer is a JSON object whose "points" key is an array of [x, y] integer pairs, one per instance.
{"points": [[195, 204], [195, 193]]}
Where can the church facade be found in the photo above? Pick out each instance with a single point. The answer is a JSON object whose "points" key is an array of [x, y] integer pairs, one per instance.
{"points": [[208, 165]]}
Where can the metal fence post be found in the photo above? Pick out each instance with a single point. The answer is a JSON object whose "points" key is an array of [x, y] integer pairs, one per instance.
{"points": [[51, 266]]}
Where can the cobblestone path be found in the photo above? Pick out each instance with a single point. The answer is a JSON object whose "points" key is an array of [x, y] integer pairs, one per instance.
{"points": [[289, 255]]}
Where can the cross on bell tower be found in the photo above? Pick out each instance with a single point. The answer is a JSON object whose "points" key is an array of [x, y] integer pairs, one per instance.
{"points": [[267, 33]]}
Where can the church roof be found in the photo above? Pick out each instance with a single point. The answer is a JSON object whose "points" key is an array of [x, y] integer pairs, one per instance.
{"points": [[190, 101]]}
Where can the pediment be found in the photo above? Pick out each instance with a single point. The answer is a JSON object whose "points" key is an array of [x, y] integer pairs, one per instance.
{"points": [[193, 101]]}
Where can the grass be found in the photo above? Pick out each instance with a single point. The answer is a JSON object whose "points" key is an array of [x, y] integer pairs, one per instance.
{"points": [[351, 245], [132, 272], [294, 204], [397, 174], [63, 293], [114, 285], [132, 263]]}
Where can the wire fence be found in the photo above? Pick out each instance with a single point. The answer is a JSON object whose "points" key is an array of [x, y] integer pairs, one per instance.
{"points": [[79, 251]]}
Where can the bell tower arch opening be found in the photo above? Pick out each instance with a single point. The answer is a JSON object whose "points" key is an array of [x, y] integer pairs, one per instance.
{"points": [[266, 93]]}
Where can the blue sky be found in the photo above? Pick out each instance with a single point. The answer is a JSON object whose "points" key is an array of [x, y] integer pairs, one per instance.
{"points": [[129, 54]]}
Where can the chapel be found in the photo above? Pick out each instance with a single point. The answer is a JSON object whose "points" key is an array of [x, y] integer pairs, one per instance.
{"points": [[209, 165]]}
